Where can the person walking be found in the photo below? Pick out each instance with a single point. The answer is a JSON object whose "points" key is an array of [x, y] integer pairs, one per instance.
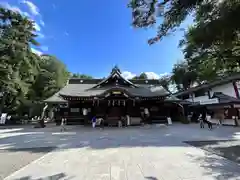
{"points": [[63, 123], [101, 123], [200, 119]]}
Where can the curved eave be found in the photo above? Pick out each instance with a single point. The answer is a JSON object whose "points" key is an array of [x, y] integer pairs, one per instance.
{"points": [[85, 98], [56, 98]]}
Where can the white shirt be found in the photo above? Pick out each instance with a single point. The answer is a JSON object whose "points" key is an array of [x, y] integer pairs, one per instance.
{"points": [[146, 111], [84, 112], [128, 120]]}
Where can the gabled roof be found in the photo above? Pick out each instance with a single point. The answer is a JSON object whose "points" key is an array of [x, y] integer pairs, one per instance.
{"points": [[115, 73], [218, 82], [97, 87]]}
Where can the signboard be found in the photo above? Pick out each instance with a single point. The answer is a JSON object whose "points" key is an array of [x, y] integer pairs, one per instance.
{"points": [[236, 105], [116, 92], [209, 101], [218, 107]]}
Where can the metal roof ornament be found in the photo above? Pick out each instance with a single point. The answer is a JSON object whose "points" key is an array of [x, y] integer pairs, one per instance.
{"points": [[116, 69]]}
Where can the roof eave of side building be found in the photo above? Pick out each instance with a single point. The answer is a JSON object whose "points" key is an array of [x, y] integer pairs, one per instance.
{"points": [[209, 85]]}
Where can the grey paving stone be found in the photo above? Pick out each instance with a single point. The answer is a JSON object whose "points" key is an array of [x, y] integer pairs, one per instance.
{"points": [[153, 153]]}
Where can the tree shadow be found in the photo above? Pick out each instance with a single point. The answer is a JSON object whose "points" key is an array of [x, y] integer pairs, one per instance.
{"points": [[52, 177], [151, 178], [129, 138], [220, 159]]}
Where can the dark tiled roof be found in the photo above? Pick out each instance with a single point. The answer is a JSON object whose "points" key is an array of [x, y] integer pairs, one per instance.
{"points": [[85, 90], [209, 85], [75, 91], [147, 82], [77, 87], [223, 98], [172, 98]]}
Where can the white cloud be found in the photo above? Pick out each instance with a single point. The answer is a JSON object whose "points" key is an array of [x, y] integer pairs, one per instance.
{"points": [[37, 27], [128, 75], [13, 8], [152, 75], [36, 51], [42, 22], [32, 7]]}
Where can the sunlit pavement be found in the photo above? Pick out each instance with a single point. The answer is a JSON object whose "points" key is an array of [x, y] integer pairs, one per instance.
{"points": [[135, 153]]}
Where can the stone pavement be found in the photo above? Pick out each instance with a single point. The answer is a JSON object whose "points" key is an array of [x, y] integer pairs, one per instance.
{"points": [[135, 153]]}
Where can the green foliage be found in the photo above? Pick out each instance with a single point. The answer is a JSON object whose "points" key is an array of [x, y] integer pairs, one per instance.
{"points": [[83, 76], [211, 45], [141, 76], [165, 82], [25, 77], [218, 18]]}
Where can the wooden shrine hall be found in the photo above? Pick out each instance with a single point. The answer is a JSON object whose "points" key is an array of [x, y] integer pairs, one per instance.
{"points": [[112, 98]]}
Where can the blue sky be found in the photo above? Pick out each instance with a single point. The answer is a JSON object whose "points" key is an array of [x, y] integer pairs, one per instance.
{"points": [[91, 37]]}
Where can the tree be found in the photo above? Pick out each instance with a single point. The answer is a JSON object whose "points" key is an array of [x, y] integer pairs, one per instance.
{"points": [[52, 76], [211, 46], [24, 76], [182, 76], [173, 12], [165, 82], [141, 76], [83, 76], [17, 60]]}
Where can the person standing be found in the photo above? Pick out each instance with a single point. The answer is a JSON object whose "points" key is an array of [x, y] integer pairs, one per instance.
{"points": [[128, 120], [94, 119], [85, 115], [63, 123], [146, 115]]}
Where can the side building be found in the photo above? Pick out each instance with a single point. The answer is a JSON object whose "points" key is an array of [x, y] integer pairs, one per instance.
{"points": [[112, 98], [221, 99]]}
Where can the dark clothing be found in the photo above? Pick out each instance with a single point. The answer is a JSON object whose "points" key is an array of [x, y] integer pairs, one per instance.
{"points": [[94, 119], [102, 123], [208, 123], [201, 124]]}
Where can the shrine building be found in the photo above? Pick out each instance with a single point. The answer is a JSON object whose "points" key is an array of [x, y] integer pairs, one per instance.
{"points": [[114, 97]]}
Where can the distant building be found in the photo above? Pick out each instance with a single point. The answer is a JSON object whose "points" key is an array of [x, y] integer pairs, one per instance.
{"points": [[113, 98], [220, 97]]}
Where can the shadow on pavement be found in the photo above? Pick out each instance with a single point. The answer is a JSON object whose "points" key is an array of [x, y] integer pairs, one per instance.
{"points": [[31, 150], [151, 178], [53, 177], [132, 138], [219, 167], [229, 149]]}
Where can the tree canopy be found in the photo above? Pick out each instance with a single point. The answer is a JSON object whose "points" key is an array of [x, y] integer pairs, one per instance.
{"points": [[222, 14], [25, 77], [83, 76], [210, 45], [141, 76]]}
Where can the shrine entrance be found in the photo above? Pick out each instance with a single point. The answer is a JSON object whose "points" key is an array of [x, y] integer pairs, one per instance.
{"points": [[114, 114], [117, 105]]}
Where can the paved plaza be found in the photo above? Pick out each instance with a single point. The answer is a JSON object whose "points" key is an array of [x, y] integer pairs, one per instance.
{"points": [[134, 153]]}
